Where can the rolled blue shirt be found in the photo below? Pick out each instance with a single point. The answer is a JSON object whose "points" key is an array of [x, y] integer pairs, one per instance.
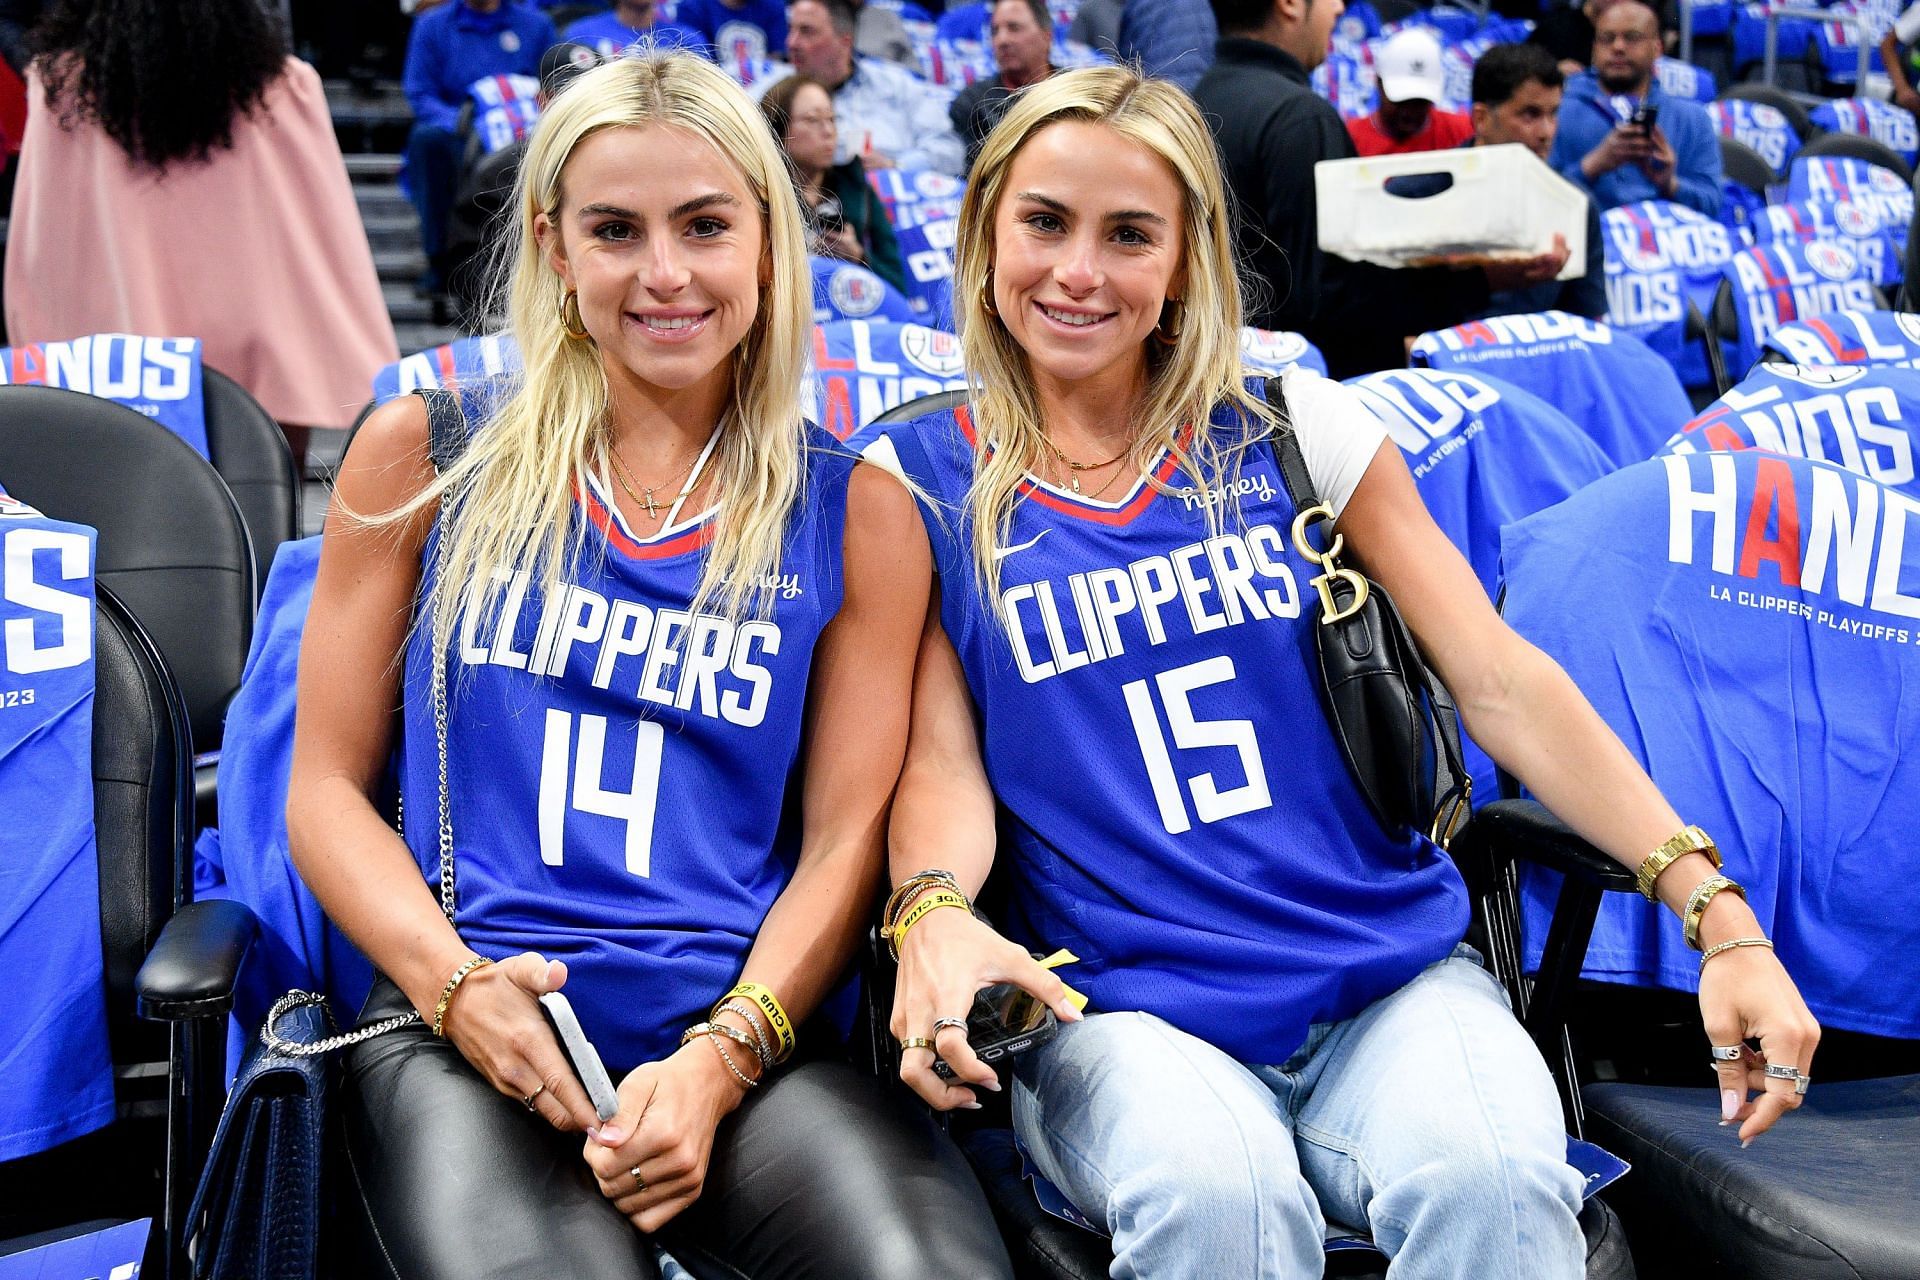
{"points": [[1587, 115]]}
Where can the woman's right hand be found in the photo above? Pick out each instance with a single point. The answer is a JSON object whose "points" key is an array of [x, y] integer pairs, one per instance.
{"points": [[948, 957], [495, 1021], [844, 245]]}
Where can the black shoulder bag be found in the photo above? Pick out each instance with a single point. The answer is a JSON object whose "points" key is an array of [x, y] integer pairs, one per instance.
{"points": [[1394, 720]]}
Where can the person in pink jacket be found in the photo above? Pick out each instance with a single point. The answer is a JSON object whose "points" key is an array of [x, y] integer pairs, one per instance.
{"points": [[180, 178]]}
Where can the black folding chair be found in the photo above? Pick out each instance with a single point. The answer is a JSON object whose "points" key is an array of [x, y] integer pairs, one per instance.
{"points": [[251, 453]]}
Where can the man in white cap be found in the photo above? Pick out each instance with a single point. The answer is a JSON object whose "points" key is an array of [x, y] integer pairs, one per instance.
{"points": [[1412, 79]]}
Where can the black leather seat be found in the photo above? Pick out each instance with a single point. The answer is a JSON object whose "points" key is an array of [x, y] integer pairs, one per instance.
{"points": [[1722, 325], [248, 449], [167, 1081], [1742, 164], [173, 545], [920, 408]]}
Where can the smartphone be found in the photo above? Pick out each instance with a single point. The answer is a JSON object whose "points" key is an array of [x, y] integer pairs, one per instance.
{"points": [[581, 1055], [1005, 1021], [1644, 117]]}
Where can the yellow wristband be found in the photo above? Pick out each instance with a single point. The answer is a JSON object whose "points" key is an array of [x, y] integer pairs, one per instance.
{"points": [[919, 911], [909, 888], [777, 1020], [460, 975]]}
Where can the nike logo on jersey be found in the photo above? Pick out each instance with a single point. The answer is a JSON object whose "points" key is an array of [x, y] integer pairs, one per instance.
{"points": [[1004, 552]]}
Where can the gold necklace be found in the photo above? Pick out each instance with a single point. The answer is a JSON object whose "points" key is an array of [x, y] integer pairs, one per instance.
{"points": [[1075, 468], [627, 482]]}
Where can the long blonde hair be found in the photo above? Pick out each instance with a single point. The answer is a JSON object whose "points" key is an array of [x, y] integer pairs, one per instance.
{"points": [[1186, 381], [509, 500]]}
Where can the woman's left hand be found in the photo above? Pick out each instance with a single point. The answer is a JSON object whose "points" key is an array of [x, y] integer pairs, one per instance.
{"points": [[664, 1130], [1745, 994]]}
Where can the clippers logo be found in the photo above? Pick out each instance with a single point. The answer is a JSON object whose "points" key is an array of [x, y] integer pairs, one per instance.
{"points": [[1855, 220], [937, 186], [1831, 260], [740, 42], [1767, 117], [934, 350], [1271, 348], [855, 292]]}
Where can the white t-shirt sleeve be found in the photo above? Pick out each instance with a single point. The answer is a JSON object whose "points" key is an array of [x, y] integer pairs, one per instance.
{"points": [[1906, 27], [1338, 435], [881, 453]]}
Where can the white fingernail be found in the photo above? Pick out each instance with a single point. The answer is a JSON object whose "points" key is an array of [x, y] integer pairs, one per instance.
{"points": [[993, 1084], [969, 1106]]}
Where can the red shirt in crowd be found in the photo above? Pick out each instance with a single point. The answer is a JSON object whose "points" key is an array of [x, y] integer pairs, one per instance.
{"points": [[1442, 131]]}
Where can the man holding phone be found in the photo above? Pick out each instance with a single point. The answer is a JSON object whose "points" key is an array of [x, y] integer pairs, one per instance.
{"points": [[1621, 137]]}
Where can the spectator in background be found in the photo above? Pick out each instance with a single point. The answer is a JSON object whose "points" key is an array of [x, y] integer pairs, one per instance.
{"points": [[1172, 39], [1516, 98], [1412, 79], [1272, 129], [742, 31], [630, 21], [1607, 146], [1565, 29], [1022, 35], [211, 205], [844, 214], [885, 114], [452, 46], [1894, 52], [1097, 25]]}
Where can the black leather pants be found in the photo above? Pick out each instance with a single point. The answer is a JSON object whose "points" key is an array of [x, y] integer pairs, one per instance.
{"points": [[822, 1173]]}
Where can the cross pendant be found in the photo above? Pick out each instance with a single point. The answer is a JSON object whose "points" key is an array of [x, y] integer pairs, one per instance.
{"points": [[653, 512]]}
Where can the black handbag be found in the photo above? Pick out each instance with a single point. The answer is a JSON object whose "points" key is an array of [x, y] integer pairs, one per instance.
{"points": [[1394, 720], [256, 1212]]}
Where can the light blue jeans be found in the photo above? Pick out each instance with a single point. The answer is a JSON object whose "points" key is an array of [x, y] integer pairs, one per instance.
{"points": [[1428, 1120]]}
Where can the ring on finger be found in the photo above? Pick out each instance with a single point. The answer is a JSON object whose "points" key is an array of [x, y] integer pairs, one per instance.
{"points": [[1728, 1052], [1775, 1071], [915, 1042], [527, 1101], [639, 1183], [941, 1024], [1800, 1085]]}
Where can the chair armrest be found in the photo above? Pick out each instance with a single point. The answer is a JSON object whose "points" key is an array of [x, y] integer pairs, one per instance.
{"points": [[1523, 830], [191, 970]]}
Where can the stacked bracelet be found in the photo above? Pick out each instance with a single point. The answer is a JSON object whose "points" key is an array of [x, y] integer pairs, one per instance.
{"points": [[717, 1033], [779, 1026], [460, 975], [1697, 906], [756, 1023], [910, 903]]}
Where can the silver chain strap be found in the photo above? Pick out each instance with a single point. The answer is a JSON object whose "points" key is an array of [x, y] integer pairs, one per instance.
{"points": [[270, 1037]]}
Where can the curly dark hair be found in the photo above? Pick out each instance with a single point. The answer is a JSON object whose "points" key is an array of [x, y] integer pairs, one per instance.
{"points": [[164, 78]]}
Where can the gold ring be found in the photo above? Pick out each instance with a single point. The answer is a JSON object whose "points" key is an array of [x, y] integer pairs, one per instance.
{"points": [[639, 1183], [527, 1101], [915, 1042]]}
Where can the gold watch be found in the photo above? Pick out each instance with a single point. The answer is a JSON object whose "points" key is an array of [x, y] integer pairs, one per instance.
{"points": [[1687, 840]]}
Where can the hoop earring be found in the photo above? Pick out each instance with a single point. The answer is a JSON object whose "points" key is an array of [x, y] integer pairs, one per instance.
{"points": [[1160, 331], [570, 316], [986, 296]]}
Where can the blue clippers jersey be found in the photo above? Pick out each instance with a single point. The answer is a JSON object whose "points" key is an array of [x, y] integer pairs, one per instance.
{"points": [[158, 377], [464, 362], [53, 1023], [619, 771], [913, 196], [1845, 178], [1181, 817], [606, 35], [927, 250], [1858, 228], [844, 291], [1759, 126], [862, 368], [1274, 351], [1747, 624], [1849, 337], [1859, 418], [1661, 256], [753, 31], [1786, 280], [1881, 121], [1607, 381]]}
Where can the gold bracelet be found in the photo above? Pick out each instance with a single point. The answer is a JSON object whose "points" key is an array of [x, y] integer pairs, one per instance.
{"points": [[732, 1033], [1729, 945], [1683, 842], [756, 1022], [920, 911], [453, 985], [1702, 894], [720, 1047], [777, 1021]]}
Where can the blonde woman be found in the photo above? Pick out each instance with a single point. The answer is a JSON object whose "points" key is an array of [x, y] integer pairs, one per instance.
{"points": [[1285, 1028], [650, 638]]}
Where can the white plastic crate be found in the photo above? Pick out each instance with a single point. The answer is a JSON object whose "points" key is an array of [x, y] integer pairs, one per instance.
{"points": [[1503, 202]]}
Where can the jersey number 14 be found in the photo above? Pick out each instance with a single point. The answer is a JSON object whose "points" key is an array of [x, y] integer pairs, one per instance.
{"points": [[575, 771]]}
